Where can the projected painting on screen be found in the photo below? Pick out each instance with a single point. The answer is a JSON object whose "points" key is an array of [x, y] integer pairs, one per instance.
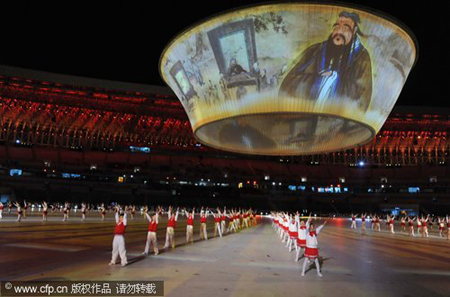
{"points": [[289, 78], [234, 51]]}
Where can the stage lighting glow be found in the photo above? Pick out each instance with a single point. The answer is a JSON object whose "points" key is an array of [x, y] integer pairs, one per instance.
{"points": [[289, 78], [361, 163]]}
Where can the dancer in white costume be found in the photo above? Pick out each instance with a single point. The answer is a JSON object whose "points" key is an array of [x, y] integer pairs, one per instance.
{"points": [[223, 220], [25, 208], [286, 228], [424, 226], [217, 224], [403, 223], [231, 225], [301, 240], [44, 211], [119, 239], [411, 226], [390, 222], [363, 223], [441, 223], [170, 231], [19, 211], [190, 225], [293, 232], [312, 248], [132, 211], [1, 210], [353, 226], [245, 219], [103, 211], [203, 216], [83, 211], [65, 212], [151, 234]]}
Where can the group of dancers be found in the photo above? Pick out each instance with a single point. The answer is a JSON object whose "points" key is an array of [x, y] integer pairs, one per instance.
{"points": [[423, 223], [65, 209], [238, 219], [299, 234]]}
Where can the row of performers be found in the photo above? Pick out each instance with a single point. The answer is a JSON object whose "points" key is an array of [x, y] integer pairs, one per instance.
{"points": [[236, 222], [299, 234], [406, 223], [65, 209]]}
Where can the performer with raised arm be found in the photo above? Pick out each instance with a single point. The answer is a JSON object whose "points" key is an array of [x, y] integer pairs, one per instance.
{"points": [[151, 234], [25, 208], [44, 211], [66, 212], [144, 211], [353, 226], [293, 232], [118, 244], [301, 240], [132, 211], [83, 211], [251, 218], [223, 220], [237, 220], [286, 228], [411, 226], [377, 223], [217, 228], [190, 225], [441, 223], [363, 223], [424, 226], [403, 223], [103, 211], [19, 211], [170, 231], [231, 225], [312, 248], [203, 216], [390, 221], [245, 216]]}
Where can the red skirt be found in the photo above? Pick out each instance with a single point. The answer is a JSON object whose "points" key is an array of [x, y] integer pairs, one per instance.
{"points": [[441, 228], [403, 224], [301, 242], [45, 212], [293, 234], [311, 253]]}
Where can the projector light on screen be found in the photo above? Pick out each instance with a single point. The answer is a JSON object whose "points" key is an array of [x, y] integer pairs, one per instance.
{"points": [[289, 78]]}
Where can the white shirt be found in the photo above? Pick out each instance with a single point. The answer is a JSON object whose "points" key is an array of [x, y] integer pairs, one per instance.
{"points": [[311, 241]]}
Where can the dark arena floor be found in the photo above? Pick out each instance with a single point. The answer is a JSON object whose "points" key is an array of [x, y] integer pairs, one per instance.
{"points": [[252, 262]]}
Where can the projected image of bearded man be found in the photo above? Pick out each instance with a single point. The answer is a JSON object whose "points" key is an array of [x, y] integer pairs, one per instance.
{"points": [[338, 68]]}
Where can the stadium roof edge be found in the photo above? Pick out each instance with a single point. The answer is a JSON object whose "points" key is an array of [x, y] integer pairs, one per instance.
{"points": [[82, 81]]}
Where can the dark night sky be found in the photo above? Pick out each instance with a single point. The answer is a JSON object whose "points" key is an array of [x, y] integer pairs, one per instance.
{"points": [[123, 42]]}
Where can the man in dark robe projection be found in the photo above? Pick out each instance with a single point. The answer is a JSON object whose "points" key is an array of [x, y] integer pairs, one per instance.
{"points": [[338, 68], [235, 68]]}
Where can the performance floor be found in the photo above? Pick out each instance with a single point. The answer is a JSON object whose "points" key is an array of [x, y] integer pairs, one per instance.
{"points": [[252, 262]]}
